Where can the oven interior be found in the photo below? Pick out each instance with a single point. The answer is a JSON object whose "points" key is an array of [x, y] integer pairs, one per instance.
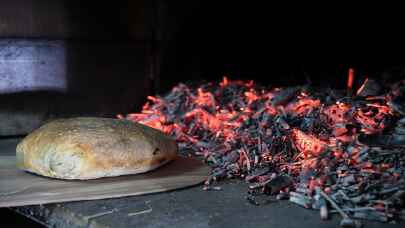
{"points": [[69, 58]]}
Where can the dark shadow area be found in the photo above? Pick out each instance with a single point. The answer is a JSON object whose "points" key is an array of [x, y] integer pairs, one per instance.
{"points": [[284, 44], [106, 64], [98, 21], [12, 219], [109, 76]]}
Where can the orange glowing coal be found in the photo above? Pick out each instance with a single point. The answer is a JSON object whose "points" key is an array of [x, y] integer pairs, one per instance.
{"points": [[307, 144], [350, 79], [304, 136], [231, 114]]}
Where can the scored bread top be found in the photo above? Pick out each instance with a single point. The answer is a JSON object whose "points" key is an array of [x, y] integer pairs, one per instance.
{"points": [[90, 147]]}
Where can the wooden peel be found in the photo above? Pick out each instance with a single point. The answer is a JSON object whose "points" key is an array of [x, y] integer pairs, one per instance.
{"points": [[19, 188]]}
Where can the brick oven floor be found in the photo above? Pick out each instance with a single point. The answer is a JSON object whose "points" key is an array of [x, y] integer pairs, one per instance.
{"points": [[191, 207]]}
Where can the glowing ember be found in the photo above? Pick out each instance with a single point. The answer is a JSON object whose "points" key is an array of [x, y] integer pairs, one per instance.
{"points": [[350, 78], [304, 138], [307, 144], [362, 87]]}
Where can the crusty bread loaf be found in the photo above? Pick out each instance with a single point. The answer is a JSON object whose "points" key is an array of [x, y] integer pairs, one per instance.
{"points": [[89, 148]]}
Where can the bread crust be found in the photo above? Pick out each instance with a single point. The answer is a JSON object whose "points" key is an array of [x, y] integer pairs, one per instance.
{"points": [[90, 148]]}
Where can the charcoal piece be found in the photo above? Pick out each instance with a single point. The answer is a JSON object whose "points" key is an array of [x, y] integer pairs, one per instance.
{"points": [[399, 198], [339, 130], [382, 140], [323, 210], [278, 183], [369, 88], [282, 123], [400, 130], [371, 215], [282, 196], [301, 200], [349, 223], [260, 171], [397, 139], [397, 106], [348, 180], [231, 157], [284, 96]]}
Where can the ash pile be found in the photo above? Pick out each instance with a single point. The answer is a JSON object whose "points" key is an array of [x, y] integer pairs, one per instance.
{"points": [[324, 149]]}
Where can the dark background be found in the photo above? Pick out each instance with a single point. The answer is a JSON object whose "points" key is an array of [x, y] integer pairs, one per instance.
{"points": [[286, 43]]}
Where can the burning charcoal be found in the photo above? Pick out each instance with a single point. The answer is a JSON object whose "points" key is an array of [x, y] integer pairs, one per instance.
{"points": [[340, 129], [369, 88], [308, 144], [303, 106], [293, 138], [284, 96], [282, 123]]}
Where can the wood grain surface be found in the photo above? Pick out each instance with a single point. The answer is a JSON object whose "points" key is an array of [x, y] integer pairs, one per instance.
{"points": [[19, 188]]}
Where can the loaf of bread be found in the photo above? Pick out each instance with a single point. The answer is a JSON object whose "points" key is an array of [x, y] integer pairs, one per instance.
{"points": [[88, 148]]}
